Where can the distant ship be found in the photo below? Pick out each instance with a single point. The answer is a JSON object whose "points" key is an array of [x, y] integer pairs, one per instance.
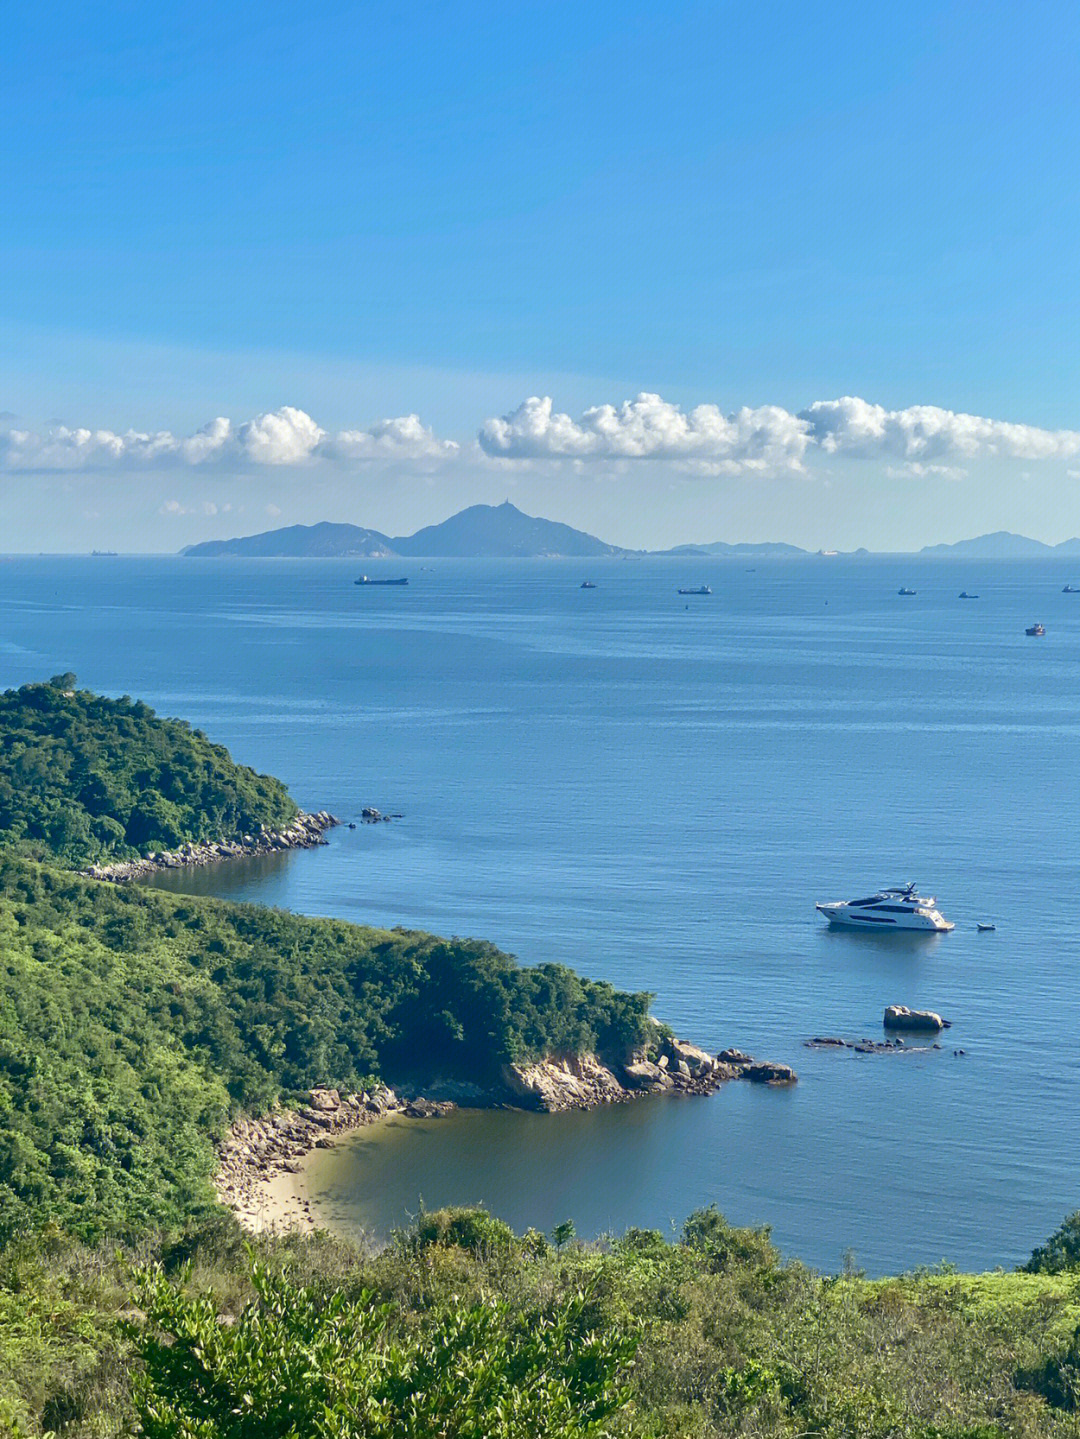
{"points": [[588, 585], [903, 591], [1071, 590], [697, 590], [965, 596], [363, 580], [1035, 630]]}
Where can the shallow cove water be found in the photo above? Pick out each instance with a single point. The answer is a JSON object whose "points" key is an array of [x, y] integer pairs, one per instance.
{"points": [[655, 790]]}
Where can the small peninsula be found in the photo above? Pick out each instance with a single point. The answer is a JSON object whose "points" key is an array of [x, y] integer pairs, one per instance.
{"points": [[137, 1026]]}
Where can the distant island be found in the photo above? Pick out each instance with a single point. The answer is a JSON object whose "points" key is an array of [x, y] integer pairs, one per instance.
{"points": [[481, 532], [505, 532], [1002, 545]]}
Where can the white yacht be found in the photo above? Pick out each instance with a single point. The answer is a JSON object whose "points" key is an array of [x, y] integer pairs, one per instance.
{"points": [[899, 908]]}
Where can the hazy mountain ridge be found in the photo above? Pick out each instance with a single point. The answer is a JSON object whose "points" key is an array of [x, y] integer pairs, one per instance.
{"points": [[720, 549], [505, 532], [482, 531], [1002, 545], [322, 541]]}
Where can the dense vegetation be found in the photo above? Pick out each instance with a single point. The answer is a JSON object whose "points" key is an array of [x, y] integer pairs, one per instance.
{"points": [[85, 778], [460, 1330], [134, 1022]]}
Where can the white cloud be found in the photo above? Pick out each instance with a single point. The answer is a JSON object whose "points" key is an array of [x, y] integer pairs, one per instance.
{"points": [[208, 507], [768, 439], [285, 437], [920, 441], [403, 438], [916, 470], [925, 433]]}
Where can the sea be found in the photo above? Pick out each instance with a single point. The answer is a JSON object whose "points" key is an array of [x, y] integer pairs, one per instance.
{"points": [[655, 789]]}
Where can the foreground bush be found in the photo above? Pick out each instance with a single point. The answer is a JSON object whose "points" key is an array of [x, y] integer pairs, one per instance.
{"points": [[460, 1330], [295, 1363]]}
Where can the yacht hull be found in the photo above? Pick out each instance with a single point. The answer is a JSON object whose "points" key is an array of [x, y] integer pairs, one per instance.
{"points": [[843, 917]]}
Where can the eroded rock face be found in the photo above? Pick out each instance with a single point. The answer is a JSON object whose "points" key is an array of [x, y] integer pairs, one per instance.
{"points": [[578, 1082], [898, 1016]]}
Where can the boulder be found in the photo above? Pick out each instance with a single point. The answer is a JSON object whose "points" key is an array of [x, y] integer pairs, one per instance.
{"points": [[770, 1074], [898, 1016], [734, 1056], [697, 1061], [727, 1071], [644, 1075], [325, 1099]]}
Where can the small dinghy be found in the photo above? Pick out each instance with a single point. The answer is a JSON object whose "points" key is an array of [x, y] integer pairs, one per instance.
{"points": [[983, 928]]}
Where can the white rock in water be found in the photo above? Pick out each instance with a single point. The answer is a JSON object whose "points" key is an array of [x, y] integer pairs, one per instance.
{"points": [[898, 1016]]}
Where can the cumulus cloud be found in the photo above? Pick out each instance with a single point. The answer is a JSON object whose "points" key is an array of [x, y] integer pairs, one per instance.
{"points": [[769, 440], [403, 438], [285, 437], [920, 441], [765, 439], [925, 433]]}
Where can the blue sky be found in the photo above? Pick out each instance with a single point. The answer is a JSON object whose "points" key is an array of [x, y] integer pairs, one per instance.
{"points": [[366, 212]]}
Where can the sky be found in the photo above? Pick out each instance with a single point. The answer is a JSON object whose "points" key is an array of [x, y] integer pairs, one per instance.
{"points": [[669, 273]]}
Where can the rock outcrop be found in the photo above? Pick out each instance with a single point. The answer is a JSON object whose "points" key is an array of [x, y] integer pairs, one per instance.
{"points": [[870, 1046], [305, 832], [898, 1016], [770, 1074], [668, 1065]]}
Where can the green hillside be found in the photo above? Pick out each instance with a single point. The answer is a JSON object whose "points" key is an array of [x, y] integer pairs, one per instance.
{"points": [[84, 778], [133, 1023]]}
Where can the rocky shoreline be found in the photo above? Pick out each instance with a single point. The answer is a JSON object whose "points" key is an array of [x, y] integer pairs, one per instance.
{"points": [[305, 832], [257, 1154]]}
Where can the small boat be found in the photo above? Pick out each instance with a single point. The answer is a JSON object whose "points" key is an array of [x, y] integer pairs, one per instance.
{"points": [[889, 909], [985, 928], [903, 591], [1071, 590], [1035, 630], [965, 596], [588, 585], [697, 590], [364, 580]]}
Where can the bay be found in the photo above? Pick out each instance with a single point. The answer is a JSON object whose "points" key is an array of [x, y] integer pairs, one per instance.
{"points": [[655, 790]]}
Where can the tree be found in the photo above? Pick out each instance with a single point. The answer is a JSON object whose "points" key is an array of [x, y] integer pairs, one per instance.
{"points": [[1061, 1250]]}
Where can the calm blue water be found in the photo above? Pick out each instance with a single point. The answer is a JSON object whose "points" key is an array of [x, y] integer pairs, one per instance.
{"points": [[655, 791]]}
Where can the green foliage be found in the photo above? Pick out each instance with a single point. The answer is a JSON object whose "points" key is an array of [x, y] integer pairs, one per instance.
{"points": [[472, 1229], [724, 1246], [134, 1023], [298, 1363], [449, 1334], [1061, 1251], [86, 778], [1057, 1376]]}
